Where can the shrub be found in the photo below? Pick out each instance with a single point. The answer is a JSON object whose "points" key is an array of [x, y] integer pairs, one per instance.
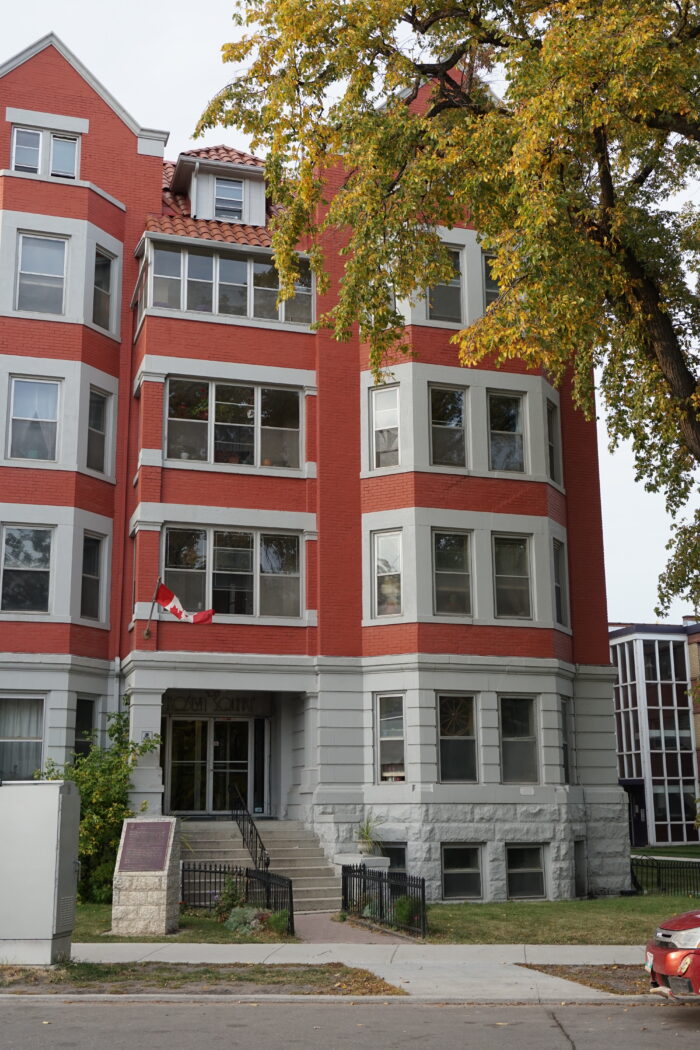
{"points": [[406, 912], [103, 777], [232, 896], [278, 921], [241, 917]]}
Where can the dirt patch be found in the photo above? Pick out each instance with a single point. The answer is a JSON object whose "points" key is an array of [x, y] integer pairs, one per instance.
{"points": [[620, 980], [235, 979]]}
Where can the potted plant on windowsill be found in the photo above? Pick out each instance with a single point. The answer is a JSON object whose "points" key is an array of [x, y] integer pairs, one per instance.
{"points": [[367, 838]]}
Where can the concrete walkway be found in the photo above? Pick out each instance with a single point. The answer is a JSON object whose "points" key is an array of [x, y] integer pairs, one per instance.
{"points": [[439, 973], [319, 927]]}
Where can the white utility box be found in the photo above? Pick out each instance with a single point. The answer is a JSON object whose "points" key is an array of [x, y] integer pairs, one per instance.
{"points": [[39, 822]]}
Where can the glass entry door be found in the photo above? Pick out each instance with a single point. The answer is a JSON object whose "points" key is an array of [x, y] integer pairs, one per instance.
{"points": [[208, 756]]}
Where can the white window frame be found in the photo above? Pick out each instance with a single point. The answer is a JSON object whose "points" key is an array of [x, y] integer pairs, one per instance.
{"points": [[58, 383], [88, 534], [32, 131], [458, 250], [469, 572], [528, 552], [68, 138], [47, 237], [258, 428], [443, 871], [542, 869], [242, 183], [453, 389], [30, 739], [514, 395], [374, 393], [46, 151], [241, 255], [106, 459], [560, 582], [256, 532], [446, 694], [387, 694], [376, 574], [21, 613], [534, 738]]}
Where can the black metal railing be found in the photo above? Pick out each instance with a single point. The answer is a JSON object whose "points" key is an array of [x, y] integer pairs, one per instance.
{"points": [[249, 832], [202, 883], [389, 898], [669, 877]]}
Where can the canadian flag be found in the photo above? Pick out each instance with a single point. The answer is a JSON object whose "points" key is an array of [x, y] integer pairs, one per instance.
{"points": [[170, 601]]}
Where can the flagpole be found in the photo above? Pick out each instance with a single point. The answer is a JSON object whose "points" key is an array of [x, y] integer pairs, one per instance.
{"points": [[147, 632]]}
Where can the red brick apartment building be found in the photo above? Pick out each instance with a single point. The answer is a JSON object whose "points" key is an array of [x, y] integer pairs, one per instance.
{"points": [[407, 580]]}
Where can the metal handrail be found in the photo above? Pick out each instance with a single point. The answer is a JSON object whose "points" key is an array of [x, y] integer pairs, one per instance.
{"points": [[249, 832]]}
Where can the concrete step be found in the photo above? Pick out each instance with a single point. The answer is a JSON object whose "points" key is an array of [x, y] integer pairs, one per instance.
{"points": [[331, 904]]}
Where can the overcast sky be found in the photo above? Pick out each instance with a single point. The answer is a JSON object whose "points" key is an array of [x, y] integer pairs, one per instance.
{"points": [[163, 63]]}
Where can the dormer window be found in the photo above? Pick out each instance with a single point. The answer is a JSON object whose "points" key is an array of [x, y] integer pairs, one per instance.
{"points": [[228, 200], [39, 152]]}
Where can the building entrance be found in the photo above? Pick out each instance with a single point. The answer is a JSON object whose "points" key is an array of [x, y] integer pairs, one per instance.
{"points": [[207, 757]]}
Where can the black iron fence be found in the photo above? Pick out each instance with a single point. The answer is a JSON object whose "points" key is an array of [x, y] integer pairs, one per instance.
{"points": [[202, 883], [248, 829], [390, 898], [672, 877]]}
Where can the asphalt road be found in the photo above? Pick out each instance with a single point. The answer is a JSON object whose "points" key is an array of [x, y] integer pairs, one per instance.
{"points": [[31, 1024]]}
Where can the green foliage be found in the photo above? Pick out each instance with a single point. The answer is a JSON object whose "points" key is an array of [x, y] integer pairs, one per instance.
{"points": [[278, 921], [406, 912], [232, 896], [367, 832], [240, 917], [562, 129], [103, 777]]}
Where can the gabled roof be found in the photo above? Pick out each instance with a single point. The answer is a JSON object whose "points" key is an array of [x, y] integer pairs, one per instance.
{"points": [[227, 154], [51, 40]]}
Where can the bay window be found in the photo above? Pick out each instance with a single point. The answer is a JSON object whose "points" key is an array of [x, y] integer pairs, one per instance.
{"points": [[33, 419], [201, 280], [237, 572], [25, 569], [233, 423]]}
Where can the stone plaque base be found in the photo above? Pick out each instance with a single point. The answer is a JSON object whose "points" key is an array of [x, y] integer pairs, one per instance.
{"points": [[147, 903]]}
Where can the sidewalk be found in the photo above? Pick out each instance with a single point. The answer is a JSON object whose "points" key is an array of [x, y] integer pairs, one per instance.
{"points": [[440, 973]]}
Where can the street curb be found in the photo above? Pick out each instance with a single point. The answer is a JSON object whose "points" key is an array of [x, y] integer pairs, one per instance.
{"points": [[66, 998]]}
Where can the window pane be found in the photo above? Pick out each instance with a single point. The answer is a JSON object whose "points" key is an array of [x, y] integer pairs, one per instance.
{"points": [[103, 284], [190, 587], [229, 199], [233, 573], [679, 661], [491, 289], [388, 573], [447, 423], [188, 402], [233, 286], [280, 596], [553, 442], [265, 287], [27, 548], [63, 156], [457, 760], [186, 549], [166, 278], [43, 255], [452, 583], [385, 411], [279, 419], [34, 416], [90, 583], [299, 309], [445, 300], [390, 716], [279, 554], [506, 440], [41, 275], [97, 426], [391, 760], [512, 581], [200, 281], [27, 146], [84, 725], [519, 761]]}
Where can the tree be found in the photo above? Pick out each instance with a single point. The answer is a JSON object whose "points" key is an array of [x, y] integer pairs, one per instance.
{"points": [[103, 777], [562, 129]]}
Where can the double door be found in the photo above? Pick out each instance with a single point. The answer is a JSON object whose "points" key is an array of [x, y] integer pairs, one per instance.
{"points": [[206, 758]]}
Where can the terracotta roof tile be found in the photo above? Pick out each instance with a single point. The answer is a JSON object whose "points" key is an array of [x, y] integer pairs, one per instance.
{"points": [[210, 230], [227, 154]]}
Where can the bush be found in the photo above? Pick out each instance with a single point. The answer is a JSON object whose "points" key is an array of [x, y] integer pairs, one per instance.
{"points": [[232, 896], [103, 777], [241, 917], [278, 921], [406, 912]]}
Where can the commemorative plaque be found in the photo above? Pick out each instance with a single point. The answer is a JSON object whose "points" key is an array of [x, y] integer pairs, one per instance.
{"points": [[145, 846]]}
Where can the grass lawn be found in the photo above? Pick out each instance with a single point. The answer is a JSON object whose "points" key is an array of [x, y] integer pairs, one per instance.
{"points": [[610, 920], [92, 921], [691, 850], [239, 979]]}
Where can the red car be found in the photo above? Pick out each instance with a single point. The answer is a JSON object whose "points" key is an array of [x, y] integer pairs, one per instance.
{"points": [[673, 956]]}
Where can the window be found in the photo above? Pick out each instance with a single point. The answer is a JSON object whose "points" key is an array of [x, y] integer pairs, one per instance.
{"points": [[41, 274], [491, 289], [26, 150], [391, 738], [231, 423], [518, 741], [33, 419], [385, 426], [566, 738], [97, 430], [451, 574], [102, 294], [447, 435], [461, 872], [202, 281], [553, 448], [84, 725], [561, 613], [26, 569], [525, 871], [511, 576], [506, 432], [64, 155], [387, 570], [90, 580], [21, 735], [228, 200], [456, 726], [235, 572], [445, 300], [396, 852]]}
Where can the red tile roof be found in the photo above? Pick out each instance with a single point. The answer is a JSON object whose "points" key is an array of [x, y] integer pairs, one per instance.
{"points": [[227, 154], [210, 230]]}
